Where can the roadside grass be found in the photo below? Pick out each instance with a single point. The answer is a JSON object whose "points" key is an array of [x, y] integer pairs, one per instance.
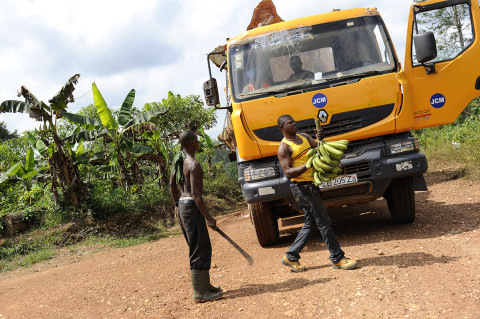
{"points": [[27, 249], [455, 144], [89, 235]]}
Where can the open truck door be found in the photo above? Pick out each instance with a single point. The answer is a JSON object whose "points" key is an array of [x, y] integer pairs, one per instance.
{"points": [[442, 60]]}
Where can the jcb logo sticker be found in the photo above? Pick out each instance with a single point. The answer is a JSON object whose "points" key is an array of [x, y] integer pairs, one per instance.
{"points": [[404, 166]]}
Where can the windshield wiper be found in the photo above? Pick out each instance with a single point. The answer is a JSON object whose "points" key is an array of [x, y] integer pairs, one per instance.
{"points": [[348, 79], [278, 93], [286, 92]]}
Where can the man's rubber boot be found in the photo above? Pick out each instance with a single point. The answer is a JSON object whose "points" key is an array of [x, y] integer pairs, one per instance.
{"points": [[212, 288], [200, 287]]}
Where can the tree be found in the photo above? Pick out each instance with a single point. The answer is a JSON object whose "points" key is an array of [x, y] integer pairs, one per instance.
{"points": [[185, 113], [5, 133], [64, 172], [121, 131]]}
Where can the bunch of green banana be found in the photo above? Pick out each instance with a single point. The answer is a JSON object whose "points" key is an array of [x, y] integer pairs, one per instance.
{"points": [[325, 160]]}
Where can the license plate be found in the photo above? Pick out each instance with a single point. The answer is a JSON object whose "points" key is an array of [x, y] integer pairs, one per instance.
{"points": [[340, 180]]}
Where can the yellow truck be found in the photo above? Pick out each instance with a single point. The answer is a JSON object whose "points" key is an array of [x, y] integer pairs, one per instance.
{"points": [[341, 67]]}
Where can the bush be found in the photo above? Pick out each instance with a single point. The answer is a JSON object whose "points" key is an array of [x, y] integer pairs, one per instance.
{"points": [[458, 142]]}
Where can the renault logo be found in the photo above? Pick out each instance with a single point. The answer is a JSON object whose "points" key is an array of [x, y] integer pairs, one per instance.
{"points": [[322, 116]]}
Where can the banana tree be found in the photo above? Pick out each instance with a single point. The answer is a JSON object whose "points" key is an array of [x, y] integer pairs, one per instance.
{"points": [[158, 156], [122, 131], [64, 172]]}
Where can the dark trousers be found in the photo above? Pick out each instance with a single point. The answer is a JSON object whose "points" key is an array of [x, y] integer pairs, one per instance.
{"points": [[316, 216], [195, 230]]}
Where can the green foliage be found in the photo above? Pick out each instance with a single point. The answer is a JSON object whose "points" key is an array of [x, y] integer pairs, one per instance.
{"points": [[12, 151], [223, 183], [457, 143], [5, 133], [107, 200], [185, 113], [25, 251], [23, 172]]}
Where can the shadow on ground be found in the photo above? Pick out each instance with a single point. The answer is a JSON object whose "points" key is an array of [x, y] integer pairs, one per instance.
{"points": [[371, 223], [284, 286]]}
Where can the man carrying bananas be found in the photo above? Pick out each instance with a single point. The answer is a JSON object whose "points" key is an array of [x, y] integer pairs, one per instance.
{"points": [[292, 154]]}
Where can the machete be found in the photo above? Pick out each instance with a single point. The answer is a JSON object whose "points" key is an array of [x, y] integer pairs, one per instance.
{"points": [[243, 252]]}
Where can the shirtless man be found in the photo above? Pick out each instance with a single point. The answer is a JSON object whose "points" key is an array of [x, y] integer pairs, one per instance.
{"points": [[194, 217]]}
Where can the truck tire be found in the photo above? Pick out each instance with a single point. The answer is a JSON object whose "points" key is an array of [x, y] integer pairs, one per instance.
{"points": [[401, 200], [264, 223]]}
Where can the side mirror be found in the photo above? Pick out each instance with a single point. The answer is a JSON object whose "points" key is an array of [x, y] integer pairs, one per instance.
{"points": [[210, 90], [425, 47]]}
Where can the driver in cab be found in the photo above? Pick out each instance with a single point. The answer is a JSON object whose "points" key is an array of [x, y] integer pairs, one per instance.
{"points": [[298, 72]]}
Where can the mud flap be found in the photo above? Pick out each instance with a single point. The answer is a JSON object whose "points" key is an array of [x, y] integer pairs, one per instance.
{"points": [[419, 184]]}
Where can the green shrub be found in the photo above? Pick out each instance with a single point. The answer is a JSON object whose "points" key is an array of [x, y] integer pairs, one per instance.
{"points": [[458, 142]]}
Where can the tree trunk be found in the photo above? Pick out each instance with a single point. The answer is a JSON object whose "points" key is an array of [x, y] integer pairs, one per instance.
{"points": [[125, 178], [67, 173]]}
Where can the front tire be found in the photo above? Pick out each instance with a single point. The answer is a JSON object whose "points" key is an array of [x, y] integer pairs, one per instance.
{"points": [[401, 200], [264, 223]]}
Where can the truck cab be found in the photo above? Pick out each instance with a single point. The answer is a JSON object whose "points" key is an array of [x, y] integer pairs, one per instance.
{"points": [[342, 69]]}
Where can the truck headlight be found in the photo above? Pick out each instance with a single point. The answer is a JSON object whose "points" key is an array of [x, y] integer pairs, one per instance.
{"points": [[402, 147], [257, 173]]}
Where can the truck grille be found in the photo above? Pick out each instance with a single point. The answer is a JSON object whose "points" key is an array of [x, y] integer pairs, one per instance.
{"points": [[343, 126], [356, 168]]}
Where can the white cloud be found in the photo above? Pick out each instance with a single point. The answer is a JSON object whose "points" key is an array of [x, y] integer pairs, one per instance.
{"points": [[153, 46]]}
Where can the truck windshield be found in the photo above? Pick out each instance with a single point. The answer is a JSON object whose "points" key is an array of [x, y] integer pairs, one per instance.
{"points": [[311, 57]]}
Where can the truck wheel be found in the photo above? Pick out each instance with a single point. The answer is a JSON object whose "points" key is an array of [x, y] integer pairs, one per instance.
{"points": [[401, 201], [266, 226]]}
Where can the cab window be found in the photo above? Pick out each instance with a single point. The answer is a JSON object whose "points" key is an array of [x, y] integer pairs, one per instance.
{"points": [[452, 27]]}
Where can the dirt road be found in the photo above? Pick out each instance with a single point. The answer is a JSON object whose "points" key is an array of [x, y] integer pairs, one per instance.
{"points": [[428, 269]]}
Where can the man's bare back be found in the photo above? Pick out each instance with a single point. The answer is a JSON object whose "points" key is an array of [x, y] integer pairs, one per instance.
{"points": [[192, 170]]}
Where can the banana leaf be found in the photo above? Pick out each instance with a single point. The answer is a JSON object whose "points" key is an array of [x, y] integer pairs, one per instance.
{"points": [[177, 160], [99, 159], [83, 158], [102, 109], [11, 172], [145, 116], [30, 175], [86, 122], [86, 135], [30, 164], [108, 169], [126, 145], [206, 138], [163, 150], [141, 149], [80, 149], [126, 109], [36, 143], [65, 95], [38, 110], [13, 106]]}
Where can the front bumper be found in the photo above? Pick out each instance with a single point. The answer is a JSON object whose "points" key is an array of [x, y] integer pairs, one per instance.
{"points": [[374, 172]]}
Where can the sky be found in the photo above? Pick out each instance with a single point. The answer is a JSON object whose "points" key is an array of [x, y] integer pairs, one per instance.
{"points": [[152, 46]]}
